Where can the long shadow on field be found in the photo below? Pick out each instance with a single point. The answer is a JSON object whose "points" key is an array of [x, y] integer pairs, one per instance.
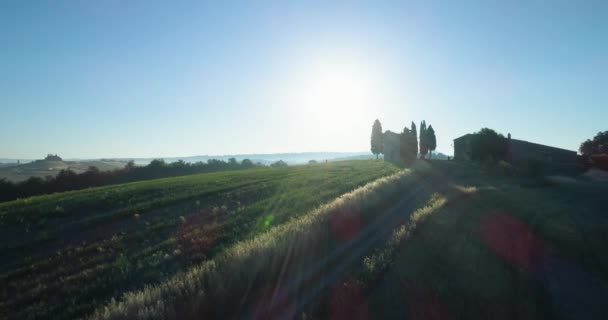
{"points": [[293, 284], [496, 255], [342, 258]]}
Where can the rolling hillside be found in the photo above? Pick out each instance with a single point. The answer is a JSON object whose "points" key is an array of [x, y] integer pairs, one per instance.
{"points": [[63, 255], [43, 168], [440, 241], [343, 240]]}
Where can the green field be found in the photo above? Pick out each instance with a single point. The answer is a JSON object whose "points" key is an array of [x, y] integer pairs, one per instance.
{"points": [[63, 255], [440, 241], [346, 240]]}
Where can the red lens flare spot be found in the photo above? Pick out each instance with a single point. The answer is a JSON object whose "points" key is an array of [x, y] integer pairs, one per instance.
{"points": [[347, 225], [512, 240]]}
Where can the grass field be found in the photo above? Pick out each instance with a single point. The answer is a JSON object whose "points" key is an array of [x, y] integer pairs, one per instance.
{"points": [[62, 255], [496, 249], [440, 241]]}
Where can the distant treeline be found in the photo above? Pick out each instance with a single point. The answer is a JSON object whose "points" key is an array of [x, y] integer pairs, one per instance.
{"points": [[67, 180]]}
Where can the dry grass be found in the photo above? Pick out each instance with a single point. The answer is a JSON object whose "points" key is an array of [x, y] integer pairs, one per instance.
{"points": [[377, 263], [293, 251], [95, 244]]}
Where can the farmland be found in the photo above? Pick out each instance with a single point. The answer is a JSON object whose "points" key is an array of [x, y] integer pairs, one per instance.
{"points": [[64, 254], [439, 241]]}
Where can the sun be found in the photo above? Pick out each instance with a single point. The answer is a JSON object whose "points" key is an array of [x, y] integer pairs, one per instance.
{"points": [[336, 94]]}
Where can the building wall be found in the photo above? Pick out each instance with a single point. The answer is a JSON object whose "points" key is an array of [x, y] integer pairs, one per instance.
{"points": [[520, 151], [391, 146], [462, 148]]}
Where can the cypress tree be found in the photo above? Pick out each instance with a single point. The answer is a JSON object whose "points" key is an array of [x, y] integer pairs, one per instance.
{"points": [[431, 140], [424, 149], [377, 144], [414, 137], [404, 145]]}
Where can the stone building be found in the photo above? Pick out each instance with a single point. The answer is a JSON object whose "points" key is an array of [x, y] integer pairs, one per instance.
{"points": [[519, 151], [391, 146]]}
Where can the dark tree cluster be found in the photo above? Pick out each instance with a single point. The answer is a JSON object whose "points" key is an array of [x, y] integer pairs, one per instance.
{"points": [[488, 145], [67, 180], [278, 164], [408, 145], [408, 142], [599, 145], [53, 157], [428, 141], [595, 152]]}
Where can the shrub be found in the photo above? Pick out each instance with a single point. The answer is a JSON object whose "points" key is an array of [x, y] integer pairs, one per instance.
{"points": [[279, 164], [488, 144], [501, 168], [533, 168]]}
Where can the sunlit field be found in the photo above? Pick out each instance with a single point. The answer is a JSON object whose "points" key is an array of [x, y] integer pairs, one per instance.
{"points": [[441, 240], [340, 160], [63, 255]]}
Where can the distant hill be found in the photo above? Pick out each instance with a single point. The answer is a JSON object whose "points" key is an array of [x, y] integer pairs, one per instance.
{"points": [[268, 158], [10, 170], [6, 165], [42, 168], [290, 158], [440, 156]]}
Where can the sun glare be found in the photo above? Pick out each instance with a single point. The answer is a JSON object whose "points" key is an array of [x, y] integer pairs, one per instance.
{"points": [[336, 93]]}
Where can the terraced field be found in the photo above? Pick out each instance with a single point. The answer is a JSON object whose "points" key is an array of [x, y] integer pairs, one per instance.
{"points": [[65, 254]]}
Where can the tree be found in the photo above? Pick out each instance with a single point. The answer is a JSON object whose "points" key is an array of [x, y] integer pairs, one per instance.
{"points": [[232, 163], [53, 157], [130, 166], [279, 164], [599, 145], [406, 147], [93, 169], [157, 163], [376, 141], [424, 149], [414, 140], [179, 164], [246, 164], [586, 148], [487, 144], [431, 140], [404, 144]]}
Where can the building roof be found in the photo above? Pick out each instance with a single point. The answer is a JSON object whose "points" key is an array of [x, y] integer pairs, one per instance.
{"points": [[541, 145], [390, 136], [465, 136], [468, 135]]}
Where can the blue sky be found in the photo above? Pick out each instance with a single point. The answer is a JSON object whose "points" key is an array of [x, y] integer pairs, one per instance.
{"points": [[142, 79]]}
